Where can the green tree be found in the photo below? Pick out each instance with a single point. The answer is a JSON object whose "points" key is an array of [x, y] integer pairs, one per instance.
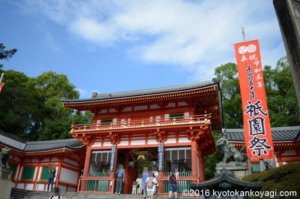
{"points": [[211, 160], [282, 101], [18, 104], [31, 107], [226, 74], [50, 88], [6, 54], [281, 96]]}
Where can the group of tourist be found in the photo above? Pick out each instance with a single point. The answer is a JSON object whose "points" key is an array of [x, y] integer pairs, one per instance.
{"points": [[147, 184]]}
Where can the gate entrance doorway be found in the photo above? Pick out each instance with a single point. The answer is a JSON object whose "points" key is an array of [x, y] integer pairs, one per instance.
{"points": [[134, 161]]}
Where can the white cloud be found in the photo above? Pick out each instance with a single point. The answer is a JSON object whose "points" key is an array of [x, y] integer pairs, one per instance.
{"points": [[196, 35], [92, 30]]}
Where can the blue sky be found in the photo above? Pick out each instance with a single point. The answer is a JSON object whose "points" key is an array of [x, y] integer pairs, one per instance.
{"points": [[120, 45]]}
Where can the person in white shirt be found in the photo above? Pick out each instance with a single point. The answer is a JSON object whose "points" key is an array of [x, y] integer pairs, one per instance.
{"points": [[151, 183]]}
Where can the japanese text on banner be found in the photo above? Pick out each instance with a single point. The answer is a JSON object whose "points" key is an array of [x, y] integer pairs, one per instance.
{"points": [[257, 129]]}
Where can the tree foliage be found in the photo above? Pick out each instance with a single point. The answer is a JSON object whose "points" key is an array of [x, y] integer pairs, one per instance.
{"points": [[31, 107], [210, 161], [231, 100], [17, 103], [281, 96], [6, 54]]}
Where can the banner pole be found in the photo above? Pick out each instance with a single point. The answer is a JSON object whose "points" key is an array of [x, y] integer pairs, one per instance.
{"points": [[1, 77], [243, 34]]}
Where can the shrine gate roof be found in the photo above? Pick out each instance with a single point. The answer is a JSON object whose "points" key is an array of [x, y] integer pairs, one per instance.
{"points": [[144, 92], [279, 134], [13, 141]]}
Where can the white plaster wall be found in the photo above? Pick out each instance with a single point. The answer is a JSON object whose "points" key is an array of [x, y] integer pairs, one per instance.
{"points": [[29, 186], [69, 176], [184, 140], [152, 141], [123, 143], [71, 162], [96, 144], [107, 144], [186, 115], [40, 187], [137, 142], [20, 186], [171, 140]]}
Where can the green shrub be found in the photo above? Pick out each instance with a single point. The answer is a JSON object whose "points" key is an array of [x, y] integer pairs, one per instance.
{"points": [[284, 178]]}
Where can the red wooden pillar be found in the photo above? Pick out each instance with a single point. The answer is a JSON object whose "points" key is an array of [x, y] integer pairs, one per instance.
{"points": [[58, 172], [194, 158], [86, 167], [17, 175], [127, 188], [113, 171], [201, 167], [36, 176], [161, 182]]}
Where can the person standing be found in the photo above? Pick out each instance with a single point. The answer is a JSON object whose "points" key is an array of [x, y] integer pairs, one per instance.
{"points": [[120, 174], [156, 175], [52, 171], [173, 184], [145, 175], [151, 185]]}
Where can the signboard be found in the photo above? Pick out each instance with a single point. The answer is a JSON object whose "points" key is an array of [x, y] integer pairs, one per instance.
{"points": [[257, 129], [160, 156], [112, 159]]}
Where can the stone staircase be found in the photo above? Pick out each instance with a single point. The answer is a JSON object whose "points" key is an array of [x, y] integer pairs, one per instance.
{"points": [[25, 194]]}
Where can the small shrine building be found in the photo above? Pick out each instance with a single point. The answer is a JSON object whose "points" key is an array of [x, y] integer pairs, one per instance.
{"points": [[29, 162]]}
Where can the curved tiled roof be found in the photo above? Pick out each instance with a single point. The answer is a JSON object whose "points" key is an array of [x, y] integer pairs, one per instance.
{"points": [[51, 145], [144, 92], [291, 133], [12, 141], [29, 146]]}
